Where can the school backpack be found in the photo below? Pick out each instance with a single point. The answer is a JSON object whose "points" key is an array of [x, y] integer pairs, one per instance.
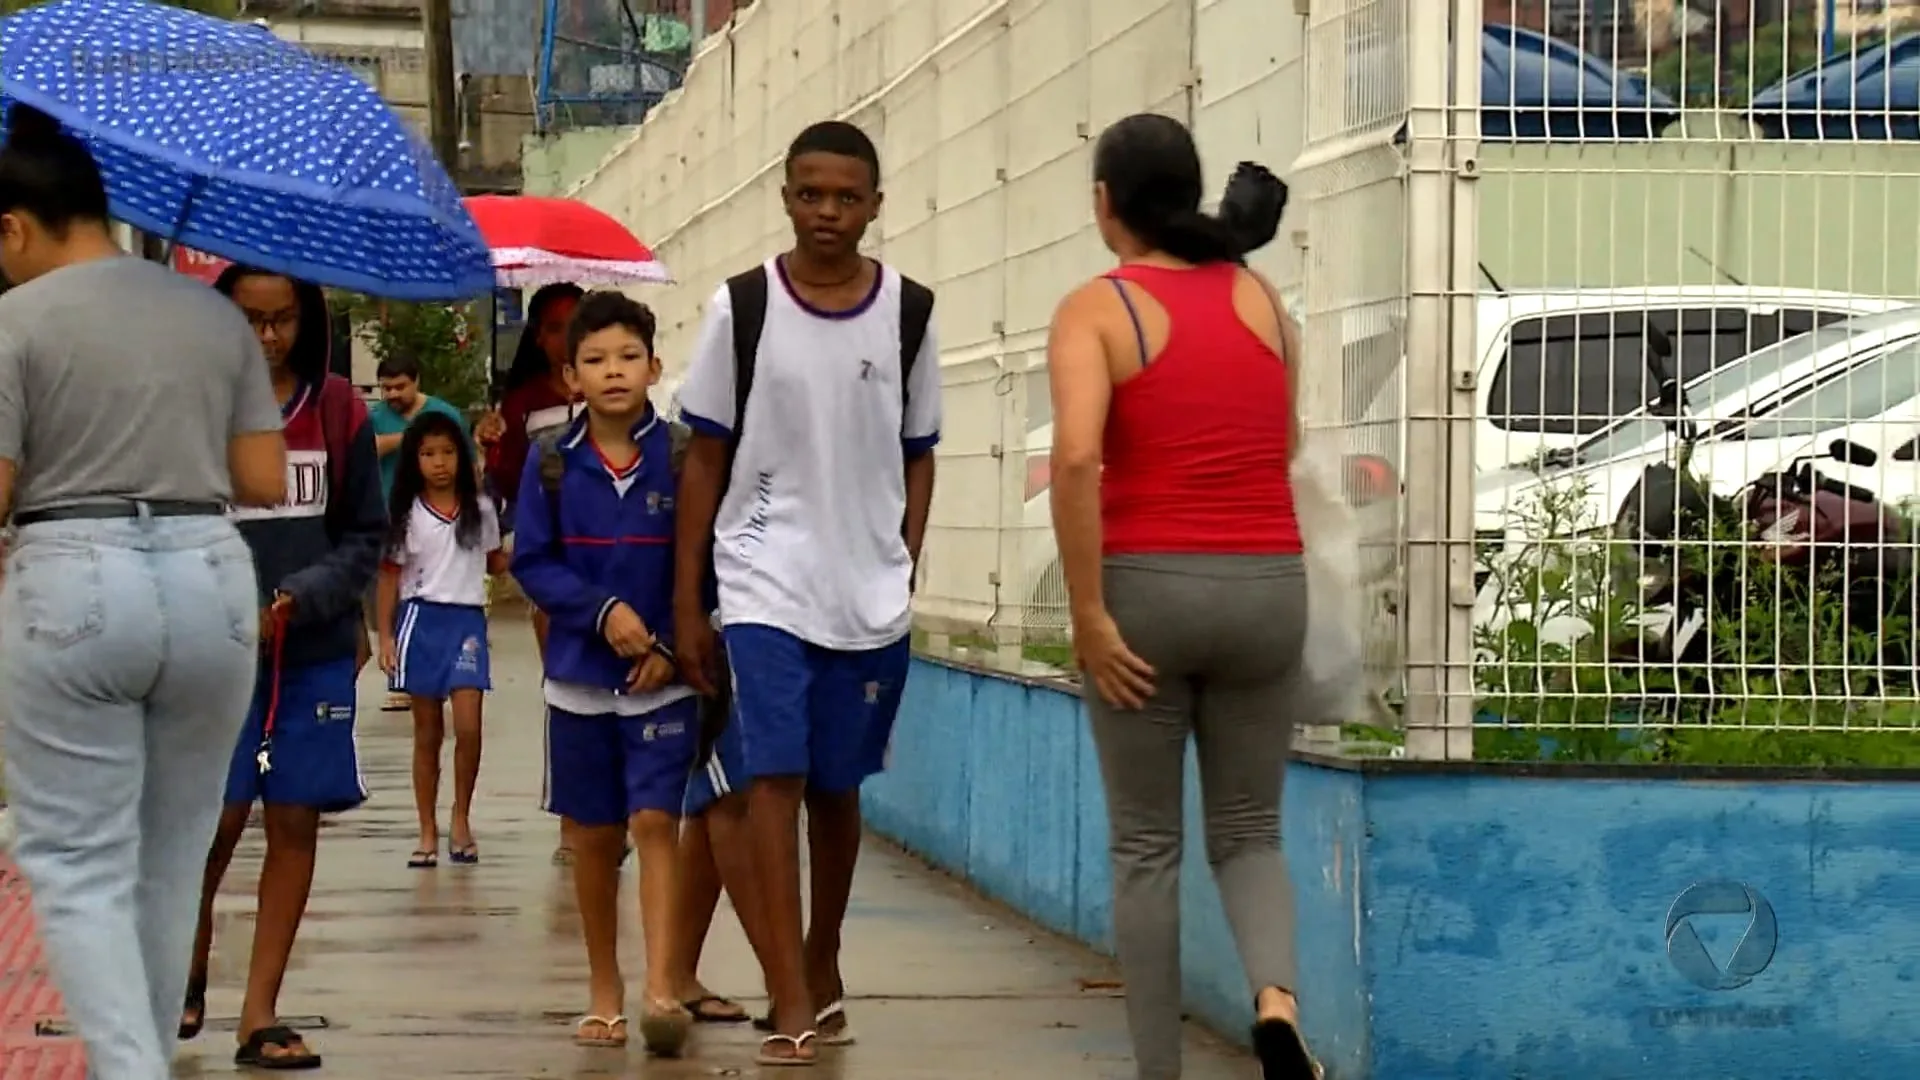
{"points": [[748, 292], [553, 463]]}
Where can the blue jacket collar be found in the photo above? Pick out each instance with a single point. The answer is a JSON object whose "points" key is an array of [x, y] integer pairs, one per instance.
{"points": [[578, 433]]}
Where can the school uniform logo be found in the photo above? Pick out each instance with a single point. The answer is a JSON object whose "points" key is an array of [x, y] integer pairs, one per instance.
{"points": [[327, 712], [469, 658], [873, 693], [662, 729], [653, 502]]}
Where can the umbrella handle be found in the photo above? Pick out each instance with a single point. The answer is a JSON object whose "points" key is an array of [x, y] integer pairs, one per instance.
{"points": [[180, 223]]}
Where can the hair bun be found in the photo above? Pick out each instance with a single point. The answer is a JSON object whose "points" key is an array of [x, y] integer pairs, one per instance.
{"points": [[1254, 201], [31, 127]]}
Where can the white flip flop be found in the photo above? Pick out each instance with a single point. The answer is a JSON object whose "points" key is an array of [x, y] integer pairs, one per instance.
{"points": [[843, 1037], [611, 1023], [798, 1043]]}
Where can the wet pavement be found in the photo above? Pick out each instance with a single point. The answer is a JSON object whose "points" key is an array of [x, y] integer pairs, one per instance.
{"points": [[477, 971]]}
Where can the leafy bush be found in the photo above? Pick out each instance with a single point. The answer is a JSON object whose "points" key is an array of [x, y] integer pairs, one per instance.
{"points": [[1785, 668], [446, 339]]}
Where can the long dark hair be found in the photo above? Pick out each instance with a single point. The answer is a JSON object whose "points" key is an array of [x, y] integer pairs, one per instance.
{"points": [[408, 483], [311, 358], [1151, 169], [529, 363], [49, 173]]}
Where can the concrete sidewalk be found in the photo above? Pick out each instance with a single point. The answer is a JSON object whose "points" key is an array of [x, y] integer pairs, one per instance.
{"points": [[477, 971]]}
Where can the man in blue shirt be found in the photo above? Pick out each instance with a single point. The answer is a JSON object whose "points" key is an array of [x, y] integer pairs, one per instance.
{"points": [[401, 400]]}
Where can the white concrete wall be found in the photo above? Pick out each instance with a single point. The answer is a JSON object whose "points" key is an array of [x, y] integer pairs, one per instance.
{"points": [[985, 113]]}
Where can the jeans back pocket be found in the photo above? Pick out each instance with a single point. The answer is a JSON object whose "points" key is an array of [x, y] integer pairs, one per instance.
{"points": [[57, 592]]}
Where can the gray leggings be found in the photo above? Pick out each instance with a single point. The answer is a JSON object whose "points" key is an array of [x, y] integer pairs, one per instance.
{"points": [[1224, 635]]}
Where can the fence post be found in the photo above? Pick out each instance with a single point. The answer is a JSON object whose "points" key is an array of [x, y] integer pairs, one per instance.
{"points": [[1439, 478], [1463, 356]]}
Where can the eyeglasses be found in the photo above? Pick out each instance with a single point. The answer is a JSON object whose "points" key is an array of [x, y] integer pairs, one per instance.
{"points": [[282, 322]]}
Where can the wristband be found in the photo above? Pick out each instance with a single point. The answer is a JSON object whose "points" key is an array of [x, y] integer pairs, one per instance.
{"points": [[660, 649]]}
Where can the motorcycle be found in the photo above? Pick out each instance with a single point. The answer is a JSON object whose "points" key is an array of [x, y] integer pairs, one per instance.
{"points": [[1702, 554]]}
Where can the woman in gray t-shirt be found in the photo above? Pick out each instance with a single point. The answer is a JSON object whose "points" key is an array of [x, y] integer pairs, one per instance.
{"points": [[134, 407]]}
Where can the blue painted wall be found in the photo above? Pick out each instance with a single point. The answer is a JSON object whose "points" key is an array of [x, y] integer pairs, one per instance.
{"points": [[1469, 926], [1517, 928]]}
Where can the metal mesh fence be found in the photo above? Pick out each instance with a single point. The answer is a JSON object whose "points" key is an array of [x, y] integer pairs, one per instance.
{"points": [[1696, 392]]}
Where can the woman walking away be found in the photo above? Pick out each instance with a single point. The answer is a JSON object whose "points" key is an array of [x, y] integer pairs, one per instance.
{"points": [[1173, 373], [443, 540], [130, 609]]}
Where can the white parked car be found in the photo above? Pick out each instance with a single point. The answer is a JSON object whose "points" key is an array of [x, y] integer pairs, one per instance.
{"points": [[1866, 392], [1557, 366], [1753, 415]]}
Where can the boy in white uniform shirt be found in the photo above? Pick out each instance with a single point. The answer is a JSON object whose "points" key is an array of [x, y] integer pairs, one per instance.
{"points": [[814, 545]]}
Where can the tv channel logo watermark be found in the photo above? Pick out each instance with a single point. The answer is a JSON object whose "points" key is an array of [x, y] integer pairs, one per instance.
{"points": [[1751, 954]]}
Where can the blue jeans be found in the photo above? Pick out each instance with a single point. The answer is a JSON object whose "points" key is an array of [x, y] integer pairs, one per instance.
{"points": [[129, 657]]}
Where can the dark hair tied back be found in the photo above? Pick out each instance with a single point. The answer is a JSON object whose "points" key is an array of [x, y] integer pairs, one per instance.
{"points": [[48, 173], [1253, 204], [1151, 169]]}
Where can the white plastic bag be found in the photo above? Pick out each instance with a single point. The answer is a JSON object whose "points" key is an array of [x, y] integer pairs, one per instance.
{"points": [[1332, 663]]}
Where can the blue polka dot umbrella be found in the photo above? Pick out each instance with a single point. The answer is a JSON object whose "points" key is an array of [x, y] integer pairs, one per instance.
{"points": [[221, 137]]}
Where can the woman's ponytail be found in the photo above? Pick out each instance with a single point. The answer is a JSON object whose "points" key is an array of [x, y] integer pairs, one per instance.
{"points": [[1151, 170], [1252, 206], [1195, 237]]}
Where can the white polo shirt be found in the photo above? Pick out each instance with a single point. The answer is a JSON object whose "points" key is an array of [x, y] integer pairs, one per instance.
{"points": [[435, 568], [808, 538]]}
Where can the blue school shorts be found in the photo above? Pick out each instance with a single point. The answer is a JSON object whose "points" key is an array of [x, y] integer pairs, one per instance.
{"points": [[802, 710], [603, 769], [314, 761], [440, 648]]}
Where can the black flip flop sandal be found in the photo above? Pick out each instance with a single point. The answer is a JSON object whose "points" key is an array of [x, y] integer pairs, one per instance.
{"points": [[253, 1053], [714, 1009], [1283, 1052], [464, 856], [422, 860], [197, 1005]]}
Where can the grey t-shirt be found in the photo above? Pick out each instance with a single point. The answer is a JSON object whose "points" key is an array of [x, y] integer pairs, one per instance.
{"points": [[121, 379]]}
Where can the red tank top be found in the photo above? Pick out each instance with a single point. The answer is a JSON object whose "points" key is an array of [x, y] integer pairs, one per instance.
{"points": [[1197, 444]]}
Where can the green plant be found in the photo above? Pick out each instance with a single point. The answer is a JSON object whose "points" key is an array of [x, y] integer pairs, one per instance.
{"points": [[1788, 682], [1546, 651], [445, 338]]}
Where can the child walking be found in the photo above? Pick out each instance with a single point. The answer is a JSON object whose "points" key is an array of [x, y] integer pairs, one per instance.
{"points": [[594, 550], [443, 540]]}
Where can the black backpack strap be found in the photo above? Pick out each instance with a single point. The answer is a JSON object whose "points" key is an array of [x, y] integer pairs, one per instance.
{"points": [[916, 313], [748, 291], [553, 467]]}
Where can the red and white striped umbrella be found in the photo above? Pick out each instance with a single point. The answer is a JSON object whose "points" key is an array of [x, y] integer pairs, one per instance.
{"points": [[539, 241]]}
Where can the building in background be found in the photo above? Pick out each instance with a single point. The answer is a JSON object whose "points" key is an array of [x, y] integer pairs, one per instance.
{"points": [[385, 41]]}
